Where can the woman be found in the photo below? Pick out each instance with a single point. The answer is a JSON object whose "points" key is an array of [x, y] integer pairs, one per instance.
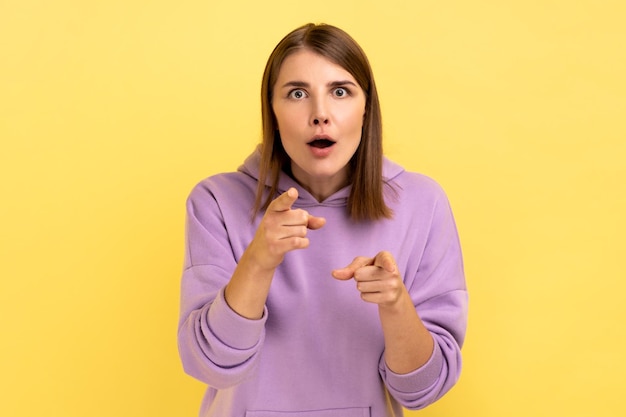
{"points": [[269, 319]]}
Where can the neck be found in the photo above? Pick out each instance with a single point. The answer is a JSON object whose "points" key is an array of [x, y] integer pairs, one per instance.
{"points": [[321, 188]]}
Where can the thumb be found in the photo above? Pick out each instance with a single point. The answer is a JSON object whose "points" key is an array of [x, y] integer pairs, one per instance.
{"points": [[315, 223], [284, 201], [386, 261]]}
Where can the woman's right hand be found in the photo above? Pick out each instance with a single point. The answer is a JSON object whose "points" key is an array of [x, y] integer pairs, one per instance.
{"points": [[282, 230]]}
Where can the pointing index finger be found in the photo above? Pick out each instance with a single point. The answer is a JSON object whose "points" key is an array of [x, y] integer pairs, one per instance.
{"points": [[348, 271], [284, 201]]}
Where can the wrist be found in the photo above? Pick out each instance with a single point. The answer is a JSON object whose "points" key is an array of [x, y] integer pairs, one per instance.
{"points": [[401, 305]]}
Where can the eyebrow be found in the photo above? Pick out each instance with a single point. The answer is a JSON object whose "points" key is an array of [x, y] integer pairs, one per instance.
{"points": [[330, 84]]}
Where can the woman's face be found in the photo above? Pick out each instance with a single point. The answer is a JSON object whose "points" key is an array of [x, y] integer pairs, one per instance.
{"points": [[319, 108]]}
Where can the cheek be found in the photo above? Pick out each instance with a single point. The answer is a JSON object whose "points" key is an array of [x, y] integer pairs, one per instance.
{"points": [[356, 119], [284, 124], [288, 119], [354, 114], [281, 121]]}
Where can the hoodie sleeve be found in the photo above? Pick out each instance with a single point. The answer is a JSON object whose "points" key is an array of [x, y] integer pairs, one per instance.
{"points": [[216, 345], [438, 291]]}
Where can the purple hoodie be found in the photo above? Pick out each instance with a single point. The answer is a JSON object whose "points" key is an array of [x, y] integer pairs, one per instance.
{"points": [[318, 350]]}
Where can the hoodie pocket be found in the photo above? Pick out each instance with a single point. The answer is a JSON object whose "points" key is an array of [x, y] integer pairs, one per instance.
{"points": [[331, 412]]}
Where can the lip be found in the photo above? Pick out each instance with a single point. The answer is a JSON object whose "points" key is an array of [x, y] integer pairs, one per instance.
{"points": [[321, 137], [321, 145]]}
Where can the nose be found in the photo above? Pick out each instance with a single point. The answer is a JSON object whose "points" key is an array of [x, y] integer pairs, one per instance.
{"points": [[319, 113]]}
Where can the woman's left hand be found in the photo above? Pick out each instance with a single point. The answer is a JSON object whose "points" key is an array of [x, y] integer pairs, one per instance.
{"points": [[408, 343], [377, 278]]}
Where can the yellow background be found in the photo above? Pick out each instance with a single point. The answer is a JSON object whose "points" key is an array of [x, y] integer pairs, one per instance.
{"points": [[111, 111]]}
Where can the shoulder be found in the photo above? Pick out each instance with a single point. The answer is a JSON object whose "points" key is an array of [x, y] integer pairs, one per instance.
{"points": [[238, 185], [223, 182], [411, 185], [416, 197], [230, 190], [417, 182]]}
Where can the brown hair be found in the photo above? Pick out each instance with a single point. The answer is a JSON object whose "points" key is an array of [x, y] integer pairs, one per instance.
{"points": [[366, 200]]}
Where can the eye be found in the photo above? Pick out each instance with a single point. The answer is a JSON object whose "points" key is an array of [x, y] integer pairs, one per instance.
{"points": [[297, 94], [341, 92]]}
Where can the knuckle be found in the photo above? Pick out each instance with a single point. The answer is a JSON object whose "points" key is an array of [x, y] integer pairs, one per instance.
{"points": [[301, 216], [300, 242], [359, 260]]}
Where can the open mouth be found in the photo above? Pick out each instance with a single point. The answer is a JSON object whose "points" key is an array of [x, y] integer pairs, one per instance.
{"points": [[321, 143]]}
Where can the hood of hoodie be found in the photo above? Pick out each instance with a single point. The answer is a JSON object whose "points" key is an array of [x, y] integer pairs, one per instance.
{"points": [[252, 164]]}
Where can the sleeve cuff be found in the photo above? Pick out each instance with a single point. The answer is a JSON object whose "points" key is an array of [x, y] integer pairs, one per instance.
{"points": [[418, 380], [232, 329]]}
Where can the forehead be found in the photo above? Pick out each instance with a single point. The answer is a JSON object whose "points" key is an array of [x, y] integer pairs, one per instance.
{"points": [[306, 65]]}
